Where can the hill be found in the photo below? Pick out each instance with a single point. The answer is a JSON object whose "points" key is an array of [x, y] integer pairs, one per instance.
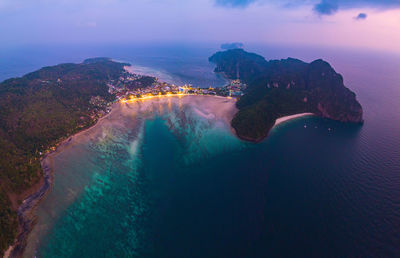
{"points": [[284, 87], [36, 112]]}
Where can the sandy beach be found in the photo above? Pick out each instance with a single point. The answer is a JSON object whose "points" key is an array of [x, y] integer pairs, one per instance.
{"points": [[291, 117], [26, 211], [148, 71], [209, 107]]}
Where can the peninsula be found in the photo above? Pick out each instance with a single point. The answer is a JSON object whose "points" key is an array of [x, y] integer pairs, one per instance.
{"points": [[285, 87]]}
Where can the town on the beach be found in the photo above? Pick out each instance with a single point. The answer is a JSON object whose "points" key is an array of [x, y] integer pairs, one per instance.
{"points": [[131, 87]]}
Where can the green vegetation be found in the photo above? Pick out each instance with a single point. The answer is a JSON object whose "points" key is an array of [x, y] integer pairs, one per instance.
{"points": [[41, 108], [8, 222], [284, 87], [36, 112], [254, 121]]}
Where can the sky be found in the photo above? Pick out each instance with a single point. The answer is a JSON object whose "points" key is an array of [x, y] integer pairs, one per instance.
{"points": [[367, 24]]}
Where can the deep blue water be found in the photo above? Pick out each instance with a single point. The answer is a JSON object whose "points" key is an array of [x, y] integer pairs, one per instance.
{"points": [[302, 192], [179, 64]]}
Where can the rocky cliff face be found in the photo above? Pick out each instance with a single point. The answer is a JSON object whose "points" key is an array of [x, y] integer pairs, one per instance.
{"points": [[354, 115], [284, 87]]}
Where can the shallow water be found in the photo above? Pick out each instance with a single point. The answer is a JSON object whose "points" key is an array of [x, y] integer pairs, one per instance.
{"points": [[115, 173], [187, 187]]}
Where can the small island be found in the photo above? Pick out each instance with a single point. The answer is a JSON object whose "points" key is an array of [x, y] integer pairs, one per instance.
{"points": [[284, 87]]}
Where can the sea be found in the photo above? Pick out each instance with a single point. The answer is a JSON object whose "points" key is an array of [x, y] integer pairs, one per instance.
{"points": [[173, 182]]}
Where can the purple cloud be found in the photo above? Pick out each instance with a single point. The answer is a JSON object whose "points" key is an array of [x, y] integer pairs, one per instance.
{"points": [[321, 7], [361, 16], [326, 7]]}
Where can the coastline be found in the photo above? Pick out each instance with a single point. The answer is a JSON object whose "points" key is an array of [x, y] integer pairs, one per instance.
{"points": [[26, 211], [278, 121], [152, 72], [284, 119]]}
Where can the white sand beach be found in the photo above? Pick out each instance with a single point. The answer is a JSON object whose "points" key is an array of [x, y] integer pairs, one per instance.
{"points": [[291, 117]]}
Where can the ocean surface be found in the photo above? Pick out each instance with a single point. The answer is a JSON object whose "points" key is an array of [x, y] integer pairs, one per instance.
{"points": [[175, 182]]}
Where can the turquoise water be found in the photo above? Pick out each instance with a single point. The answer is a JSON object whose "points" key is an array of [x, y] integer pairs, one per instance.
{"points": [[106, 215], [178, 185], [115, 183], [184, 186]]}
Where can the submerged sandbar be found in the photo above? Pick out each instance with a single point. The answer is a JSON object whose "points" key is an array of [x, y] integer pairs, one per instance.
{"points": [[129, 116]]}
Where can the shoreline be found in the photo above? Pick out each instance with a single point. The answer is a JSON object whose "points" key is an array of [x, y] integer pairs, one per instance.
{"points": [[278, 121], [26, 211], [284, 119]]}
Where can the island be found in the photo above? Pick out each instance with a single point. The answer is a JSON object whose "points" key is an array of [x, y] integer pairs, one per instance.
{"points": [[43, 109], [279, 88]]}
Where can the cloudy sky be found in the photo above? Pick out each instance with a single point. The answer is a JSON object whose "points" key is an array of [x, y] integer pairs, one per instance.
{"points": [[373, 24]]}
